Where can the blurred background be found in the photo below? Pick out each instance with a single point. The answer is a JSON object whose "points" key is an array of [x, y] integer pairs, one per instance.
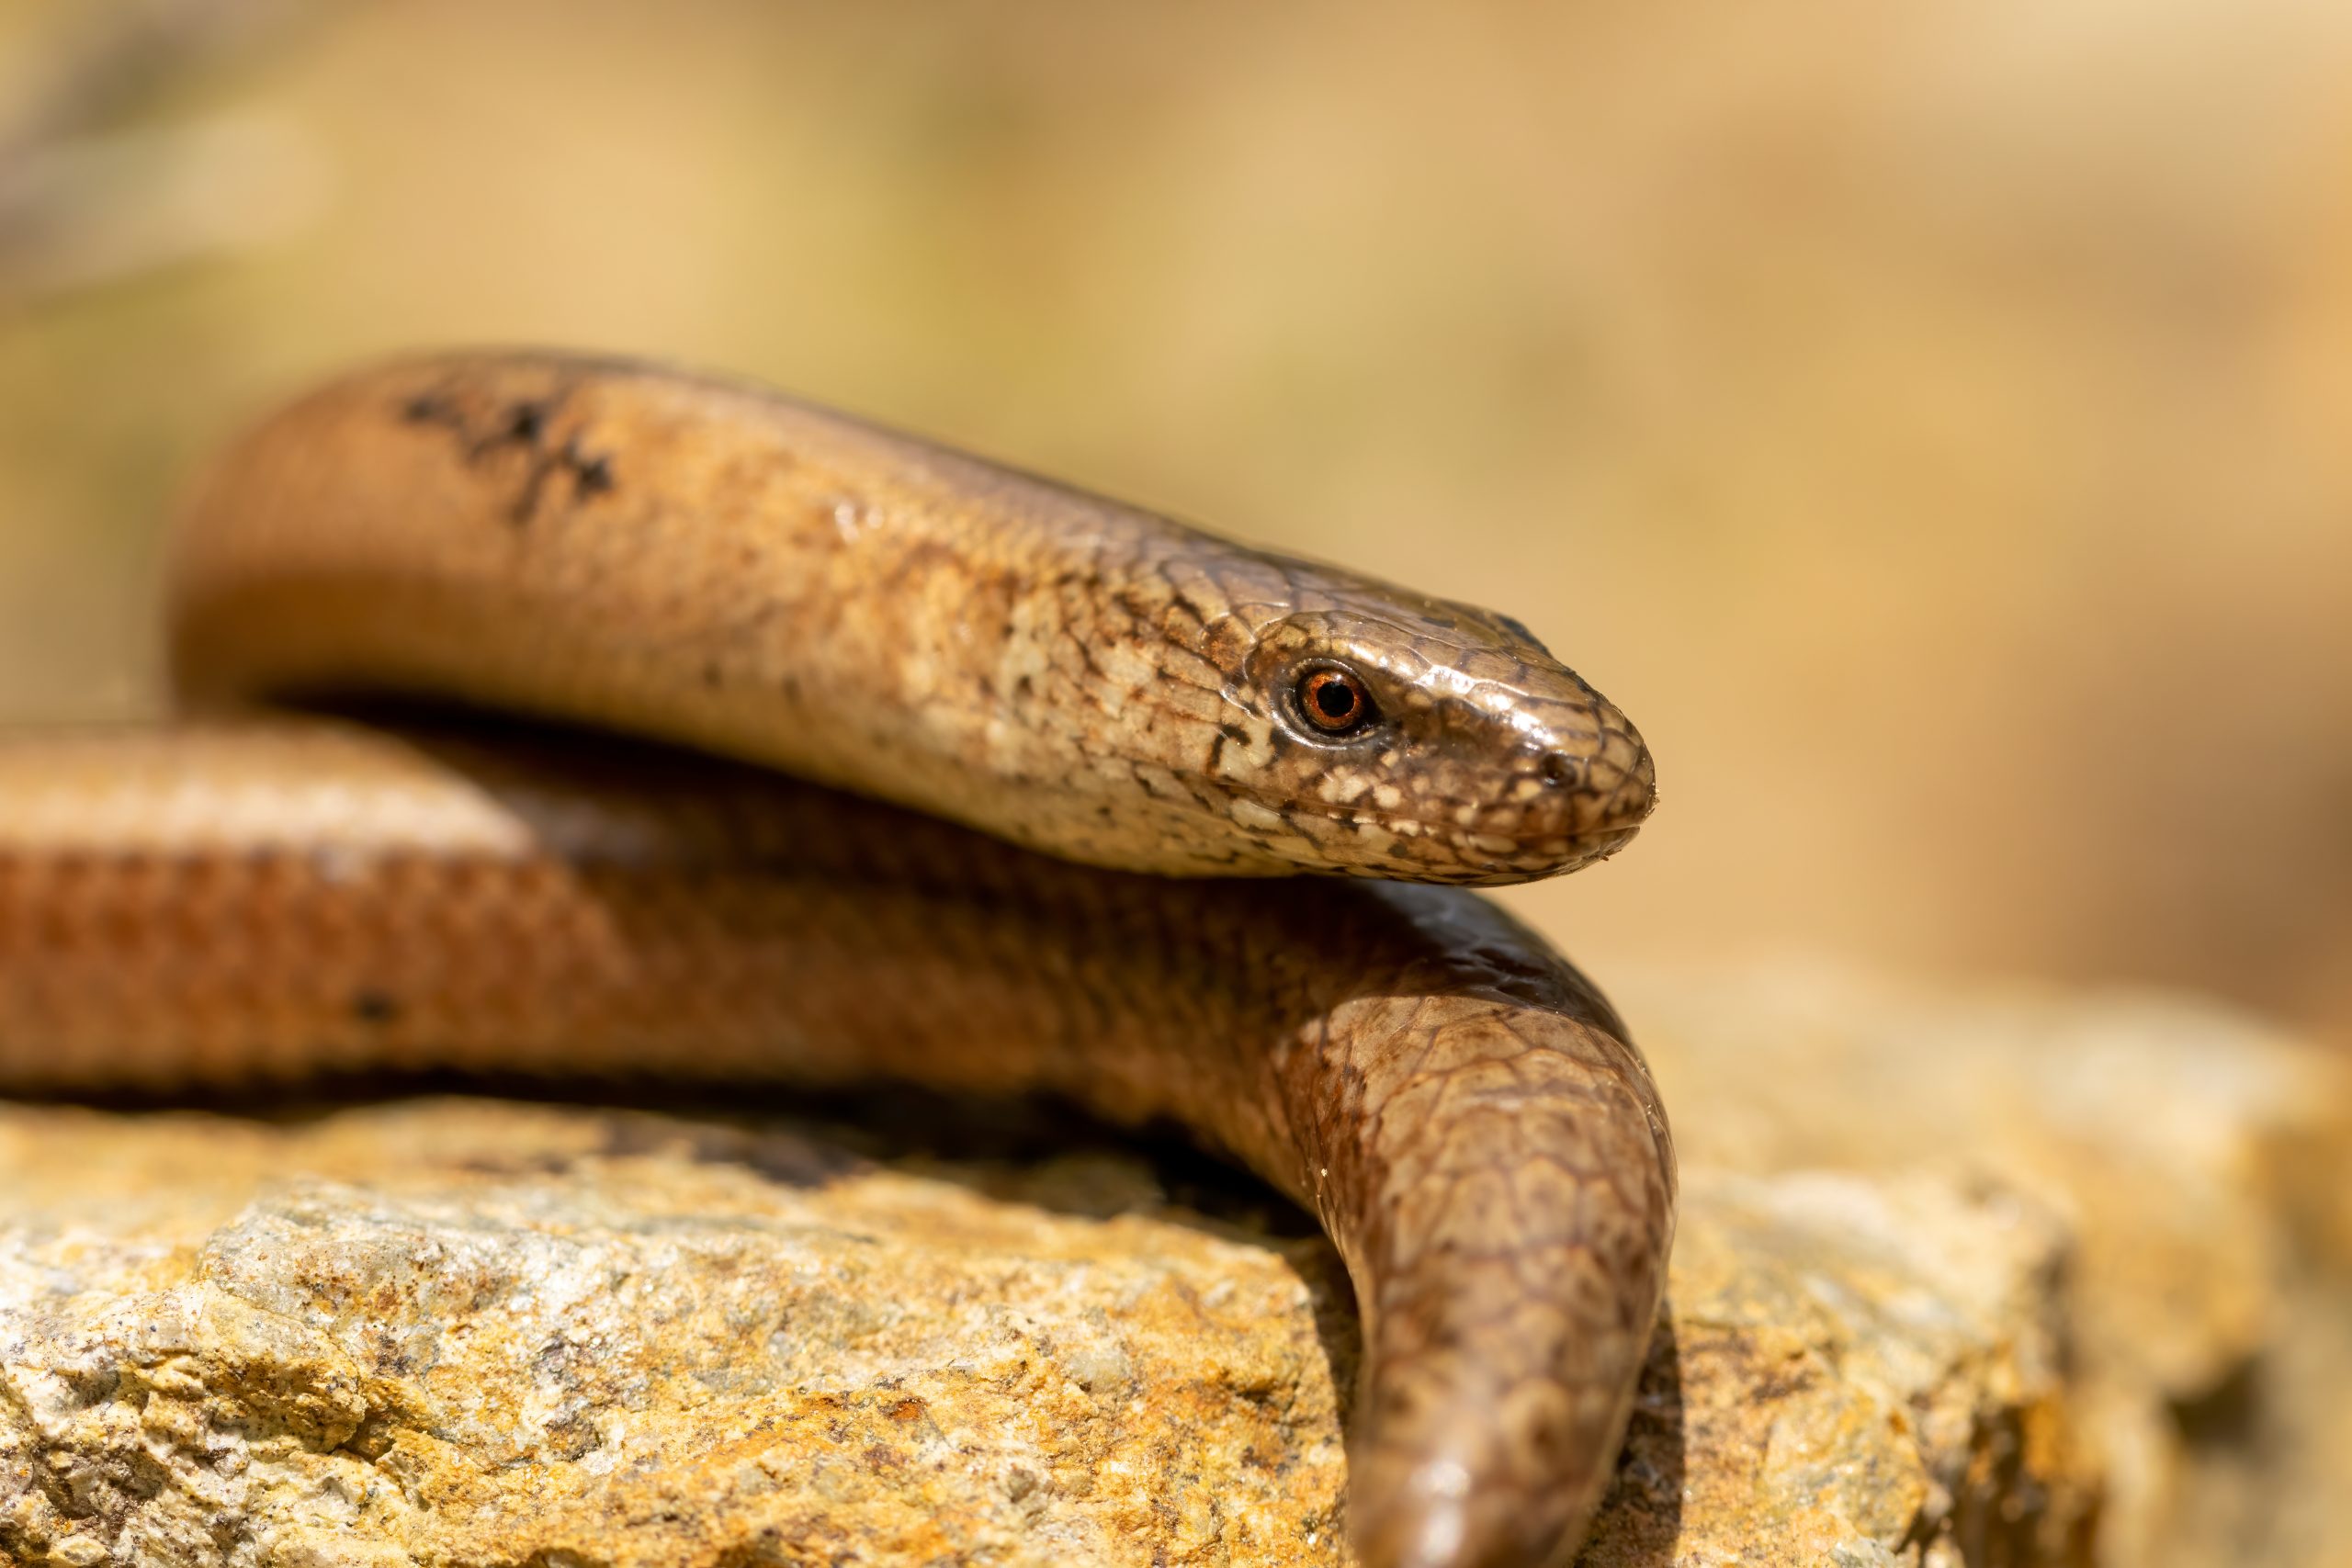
{"points": [[1932, 423]]}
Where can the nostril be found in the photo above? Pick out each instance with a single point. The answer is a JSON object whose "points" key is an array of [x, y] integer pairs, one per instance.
{"points": [[1560, 770]]}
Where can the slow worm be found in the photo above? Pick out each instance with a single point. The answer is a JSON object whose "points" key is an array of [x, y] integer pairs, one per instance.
{"points": [[1134, 716]]}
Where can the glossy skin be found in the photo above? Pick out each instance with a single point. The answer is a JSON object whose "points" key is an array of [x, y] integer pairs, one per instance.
{"points": [[707, 564], [713, 564]]}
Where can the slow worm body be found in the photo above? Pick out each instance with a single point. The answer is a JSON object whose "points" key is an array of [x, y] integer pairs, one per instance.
{"points": [[712, 566]]}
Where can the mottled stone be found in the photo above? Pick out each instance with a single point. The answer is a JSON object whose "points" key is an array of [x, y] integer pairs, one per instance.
{"points": [[1856, 1373], [2203, 1163], [466, 1331], [462, 1332], [2077, 1295]]}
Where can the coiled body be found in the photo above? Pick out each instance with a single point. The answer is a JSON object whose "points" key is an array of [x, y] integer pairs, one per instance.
{"points": [[237, 900]]}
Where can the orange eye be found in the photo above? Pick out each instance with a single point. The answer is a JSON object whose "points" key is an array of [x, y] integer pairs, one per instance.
{"points": [[1334, 701]]}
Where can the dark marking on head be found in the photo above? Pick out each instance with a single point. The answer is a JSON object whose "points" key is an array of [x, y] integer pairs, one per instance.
{"points": [[591, 475], [526, 422]]}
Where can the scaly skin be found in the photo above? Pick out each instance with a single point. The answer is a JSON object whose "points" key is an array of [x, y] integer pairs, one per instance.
{"points": [[216, 904], [713, 564]]}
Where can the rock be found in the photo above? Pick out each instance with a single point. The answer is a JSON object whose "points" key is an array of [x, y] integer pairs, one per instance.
{"points": [[463, 1332], [473, 1331], [1857, 1373], [2204, 1161], [2005, 1279]]}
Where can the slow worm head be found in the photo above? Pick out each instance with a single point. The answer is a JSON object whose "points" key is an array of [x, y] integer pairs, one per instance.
{"points": [[712, 563]]}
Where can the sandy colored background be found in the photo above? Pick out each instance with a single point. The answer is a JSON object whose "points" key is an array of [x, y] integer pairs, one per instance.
{"points": [[1932, 423]]}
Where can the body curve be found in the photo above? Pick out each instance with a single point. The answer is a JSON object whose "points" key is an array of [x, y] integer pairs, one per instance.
{"points": [[228, 901]]}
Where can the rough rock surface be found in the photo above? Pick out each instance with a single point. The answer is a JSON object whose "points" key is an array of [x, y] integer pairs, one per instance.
{"points": [[2202, 1162], [468, 1332], [1997, 1281], [1855, 1373]]}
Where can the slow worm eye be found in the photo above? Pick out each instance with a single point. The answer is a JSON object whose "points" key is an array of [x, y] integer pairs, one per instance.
{"points": [[1334, 701]]}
